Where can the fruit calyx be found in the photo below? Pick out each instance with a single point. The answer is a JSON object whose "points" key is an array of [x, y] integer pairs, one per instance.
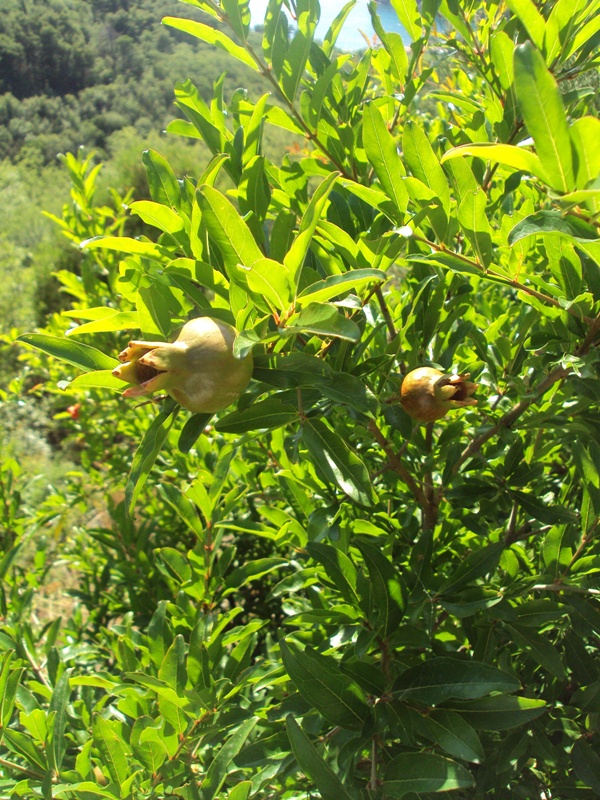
{"points": [[198, 370], [428, 394]]}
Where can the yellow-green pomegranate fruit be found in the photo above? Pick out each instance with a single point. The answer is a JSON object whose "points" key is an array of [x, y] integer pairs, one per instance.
{"points": [[198, 370], [427, 394]]}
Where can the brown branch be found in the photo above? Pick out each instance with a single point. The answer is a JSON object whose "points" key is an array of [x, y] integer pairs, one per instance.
{"points": [[511, 416]]}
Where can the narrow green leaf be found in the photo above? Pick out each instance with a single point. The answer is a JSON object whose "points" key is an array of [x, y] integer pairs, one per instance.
{"points": [[313, 764], [540, 649], [424, 772], [439, 679], [339, 569], [552, 222], [192, 430], [586, 765], [164, 186], [322, 319], [124, 244], [294, 63], [409, 16], [267, 414], [337, 285], [393, 44], [99, 379], [220, 766], [319, 680], [79, 355], [531, 19], [472, 215], [454, 735], [274, 281], [477, 565], [113, 749], [336, 26], [147, 452], [113, 321], [499, 712], [294, 259], [387, 591], [544, 114], [22, 744], [9, 681], [507, 154], [252, 571], [382, 151], [238, 14], [158, 215], [230, 233], [423, 162], [336, 462], [550, 515], [206, 33]]}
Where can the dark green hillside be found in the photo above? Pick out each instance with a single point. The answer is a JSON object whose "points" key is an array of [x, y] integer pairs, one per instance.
{"points": [[72, 72]]}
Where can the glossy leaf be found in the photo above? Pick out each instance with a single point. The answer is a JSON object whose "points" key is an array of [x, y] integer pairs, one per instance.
{"points": [[79, 355], [439, 679], [211, 35], [408, 773], [320, 681], [544, 113], [312, 764], [336, 462], [267, 414], [382, 152]]}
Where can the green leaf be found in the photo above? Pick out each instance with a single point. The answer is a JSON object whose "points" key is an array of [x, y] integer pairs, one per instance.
{"points": [[230, 233], [312, 764], [252, 571], [544, 114], [540, 649], [477, 565], [586, 765], [552, 222], [158, 215], [192, 430], [550, 515], [322, 319], [164, 186], [238, 14], [112, 748], [423, 163], [453, 734], [273, 281], [124, 244], [439, 679], [319, 680], [393, 45], [206, 33], [22, 744], [531, 19], [147, 452], [294, 259], [336, 462], [424, 772], [57, 744], [9, 682], [221, 765], [382, 151], [336, 26], [267, 414], [409, 16], [112, 321], [387, 591], [472, 215], [79, 355], [499, 712], [294, 63], [339, 569], [507, 154], [336, 285]]}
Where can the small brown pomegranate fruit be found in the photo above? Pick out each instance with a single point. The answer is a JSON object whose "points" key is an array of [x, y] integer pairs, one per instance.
{"points": [[427, 394], [198, 370]]}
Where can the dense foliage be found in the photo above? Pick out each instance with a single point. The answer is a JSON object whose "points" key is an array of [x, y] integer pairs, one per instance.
{"points": [[312, 593]]}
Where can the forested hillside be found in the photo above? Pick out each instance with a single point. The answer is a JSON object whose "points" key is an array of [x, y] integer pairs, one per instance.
{"points": [[72, 72], [97, 75]]}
